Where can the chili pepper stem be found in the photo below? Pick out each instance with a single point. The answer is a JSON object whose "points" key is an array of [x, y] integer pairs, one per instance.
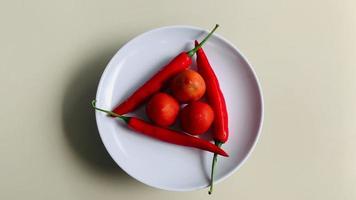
{"points": [[126, 119], [215, 159], [195, 49]]}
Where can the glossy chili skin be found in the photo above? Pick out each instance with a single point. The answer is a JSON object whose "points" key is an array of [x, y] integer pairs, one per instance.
{"points": [[164, 134], [172, 136], [155, 84], [214, 96]]}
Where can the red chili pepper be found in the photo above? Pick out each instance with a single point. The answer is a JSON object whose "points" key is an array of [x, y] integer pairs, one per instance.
{"points": [[217, 101], [156, 83], [165, 134], [214, 96]]}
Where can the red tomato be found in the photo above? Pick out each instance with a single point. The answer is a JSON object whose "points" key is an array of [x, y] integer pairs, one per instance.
{"points": [[188, 86], [196, 117], [162, 109]]}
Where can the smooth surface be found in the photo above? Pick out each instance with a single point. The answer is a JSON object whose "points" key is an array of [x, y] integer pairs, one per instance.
{"points": [[163, 165], [52, 53]]}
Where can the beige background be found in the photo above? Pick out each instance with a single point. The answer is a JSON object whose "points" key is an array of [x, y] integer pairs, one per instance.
{"points": [[53, 52]]}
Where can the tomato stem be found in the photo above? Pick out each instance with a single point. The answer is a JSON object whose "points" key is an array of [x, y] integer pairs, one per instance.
{"points": [[215, 159], [195, 49], [126, 119]]}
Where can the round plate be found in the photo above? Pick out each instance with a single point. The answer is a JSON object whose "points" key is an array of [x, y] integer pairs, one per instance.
{"points": [[168, 166]]}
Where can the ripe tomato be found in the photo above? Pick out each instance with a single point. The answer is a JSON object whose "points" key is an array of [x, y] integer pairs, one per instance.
{"points": [[162, 109], [196, 117], [188, 86]]}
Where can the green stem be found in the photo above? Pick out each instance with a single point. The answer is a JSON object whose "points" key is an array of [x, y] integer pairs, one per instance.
{"points": [[126, 119], [195, 49], [215, 159]]}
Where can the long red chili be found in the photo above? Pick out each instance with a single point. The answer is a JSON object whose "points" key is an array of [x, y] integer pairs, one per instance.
{"points": [[217, 101], [165, 134], [156, 83]]}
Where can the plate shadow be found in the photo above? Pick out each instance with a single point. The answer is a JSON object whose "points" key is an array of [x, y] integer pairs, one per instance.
{"points": [[78, 117]]}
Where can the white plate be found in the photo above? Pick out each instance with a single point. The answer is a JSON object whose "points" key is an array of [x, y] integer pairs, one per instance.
{"points": [[163, 165]]}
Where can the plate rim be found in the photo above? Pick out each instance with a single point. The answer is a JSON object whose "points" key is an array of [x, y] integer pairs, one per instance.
{"points": [[250, 67]]}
